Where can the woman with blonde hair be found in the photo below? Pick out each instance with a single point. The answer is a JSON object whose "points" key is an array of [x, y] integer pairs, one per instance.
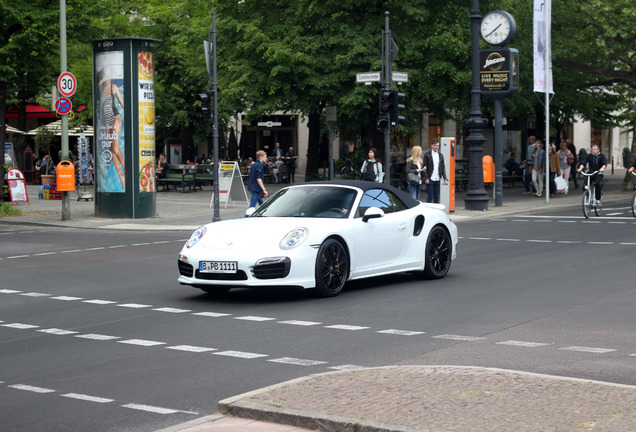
{"points": [[414, 165]]}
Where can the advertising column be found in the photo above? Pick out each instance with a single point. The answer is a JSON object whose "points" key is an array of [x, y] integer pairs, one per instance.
{"points": [[123, 89]]}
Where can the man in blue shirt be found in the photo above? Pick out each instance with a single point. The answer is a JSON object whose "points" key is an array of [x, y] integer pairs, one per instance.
{"points": [[256, 180]]}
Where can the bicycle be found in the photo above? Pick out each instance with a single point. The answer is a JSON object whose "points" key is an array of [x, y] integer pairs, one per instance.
{"points": [[346, 172], [588, 197], [634, 196]]}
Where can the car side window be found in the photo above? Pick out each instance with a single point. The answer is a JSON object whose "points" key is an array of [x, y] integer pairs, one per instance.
{"points": [[385, 200]]}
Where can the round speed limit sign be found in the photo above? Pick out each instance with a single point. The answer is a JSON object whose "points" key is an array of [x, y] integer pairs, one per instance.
{"points": [[66, 84]]}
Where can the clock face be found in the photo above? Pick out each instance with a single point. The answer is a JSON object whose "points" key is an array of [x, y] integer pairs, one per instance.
{"points": [[497, 27]]}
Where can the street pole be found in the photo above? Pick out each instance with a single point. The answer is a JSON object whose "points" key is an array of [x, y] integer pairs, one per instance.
{"points": [[215, 133], [498, 154], [66, 205], [387, 85], [476, 197]]}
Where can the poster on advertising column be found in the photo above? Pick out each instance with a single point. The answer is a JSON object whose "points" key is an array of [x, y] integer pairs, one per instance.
{"points": [[110, 140], [146, 95]]}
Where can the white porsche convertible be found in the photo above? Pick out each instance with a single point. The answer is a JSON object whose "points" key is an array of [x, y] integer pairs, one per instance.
{"points": [[320, 235]]}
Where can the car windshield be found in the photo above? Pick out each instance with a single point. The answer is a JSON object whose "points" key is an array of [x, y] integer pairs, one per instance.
{"points": [[309, 201]]}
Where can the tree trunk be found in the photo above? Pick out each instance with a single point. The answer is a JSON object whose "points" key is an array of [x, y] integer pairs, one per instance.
{"points": [[313, 155], [628, 180]]}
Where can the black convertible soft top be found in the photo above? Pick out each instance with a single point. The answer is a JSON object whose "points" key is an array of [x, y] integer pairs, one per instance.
{"points": [[405, 197]]}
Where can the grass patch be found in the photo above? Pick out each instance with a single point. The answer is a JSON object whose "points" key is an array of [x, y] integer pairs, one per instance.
{"points": [[6, 209]]}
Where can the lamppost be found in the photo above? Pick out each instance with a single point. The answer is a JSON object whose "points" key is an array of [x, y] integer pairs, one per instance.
{"points": [[476, 197]]}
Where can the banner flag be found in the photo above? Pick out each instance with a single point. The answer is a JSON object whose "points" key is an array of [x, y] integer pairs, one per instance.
{"points": [[542, 45]]}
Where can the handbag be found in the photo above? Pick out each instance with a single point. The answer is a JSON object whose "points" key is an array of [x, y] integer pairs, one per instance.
{"points": [[413, 178], [560, 184], [570, 159]]}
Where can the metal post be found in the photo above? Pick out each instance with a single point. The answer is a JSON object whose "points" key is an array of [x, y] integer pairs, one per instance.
{"points": [[66, 205], [387, 85], [498, 154], [215, 133], [476, 197]]}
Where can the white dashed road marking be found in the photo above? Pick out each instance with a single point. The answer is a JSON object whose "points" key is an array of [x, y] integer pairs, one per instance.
{"points": [[240, 354], [254, 318], [134, 305], [99, 337], [297, 361], [172, 310], [211, 314], [149, 408], [190, 348], [87, 398], [20, 326], [522, 344], [31, 388], [346, 327], [588, 349], [141, 342], [458, 337], [401, 332], [300, 323]]}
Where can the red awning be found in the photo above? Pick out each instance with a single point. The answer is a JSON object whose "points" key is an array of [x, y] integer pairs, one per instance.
{"points": [[32, 111]]}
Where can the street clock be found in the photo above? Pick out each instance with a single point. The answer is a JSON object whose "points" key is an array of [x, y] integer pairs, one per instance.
{"points": [[498, 28]]}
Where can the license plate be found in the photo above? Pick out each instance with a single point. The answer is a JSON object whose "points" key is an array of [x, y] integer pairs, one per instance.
{"points": [[217, 266]]}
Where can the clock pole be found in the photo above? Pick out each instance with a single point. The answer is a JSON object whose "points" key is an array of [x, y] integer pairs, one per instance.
{"points": [[476, 197]]}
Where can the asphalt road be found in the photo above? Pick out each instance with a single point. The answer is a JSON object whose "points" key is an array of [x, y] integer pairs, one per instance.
{"points": [[95, 333]]}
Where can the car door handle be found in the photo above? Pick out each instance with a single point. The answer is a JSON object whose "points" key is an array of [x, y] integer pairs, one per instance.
{"points": [[402, 227]]}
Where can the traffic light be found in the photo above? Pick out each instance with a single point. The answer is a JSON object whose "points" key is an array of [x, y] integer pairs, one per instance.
{"points": [[384, 118], [397, 105], [205, 108], [390, 106]]}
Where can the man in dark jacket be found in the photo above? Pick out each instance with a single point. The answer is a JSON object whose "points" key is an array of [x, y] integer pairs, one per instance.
{"points": [[596, 161], [434, 172]]}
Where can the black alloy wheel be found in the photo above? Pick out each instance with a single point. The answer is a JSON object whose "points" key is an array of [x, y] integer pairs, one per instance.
{"points": [[332, 268], [439, 253]]}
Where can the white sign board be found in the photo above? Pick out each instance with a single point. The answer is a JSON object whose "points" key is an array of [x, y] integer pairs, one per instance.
{"points": [[399, 77], [368, 77], [230, 184], [269, 124]]}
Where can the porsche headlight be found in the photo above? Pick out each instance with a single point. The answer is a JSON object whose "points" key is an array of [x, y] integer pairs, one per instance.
{"points": [[196, 237], [294, 238]]}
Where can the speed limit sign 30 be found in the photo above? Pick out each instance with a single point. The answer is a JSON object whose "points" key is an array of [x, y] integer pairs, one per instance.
{"points": [[66, 84]]}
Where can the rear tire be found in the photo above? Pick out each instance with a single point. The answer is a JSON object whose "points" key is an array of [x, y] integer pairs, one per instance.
{"points": [[332, 268], [439, 253], [587, 203], [598, 208]]}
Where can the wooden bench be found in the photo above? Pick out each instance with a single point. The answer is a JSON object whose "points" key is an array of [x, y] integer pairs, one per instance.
{"points": [[178, 175]]}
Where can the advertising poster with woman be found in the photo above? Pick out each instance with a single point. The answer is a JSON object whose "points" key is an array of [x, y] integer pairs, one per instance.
{"points": [[146, 114], [109, 102]]}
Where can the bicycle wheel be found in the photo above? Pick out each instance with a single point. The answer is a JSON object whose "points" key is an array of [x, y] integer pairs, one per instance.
{"points": [[634, 204], [598, 208], [587, 203], [345, 172]]}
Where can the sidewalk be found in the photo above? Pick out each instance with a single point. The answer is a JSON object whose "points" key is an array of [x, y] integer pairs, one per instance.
{"points": [[187, 211], [394, 398]]}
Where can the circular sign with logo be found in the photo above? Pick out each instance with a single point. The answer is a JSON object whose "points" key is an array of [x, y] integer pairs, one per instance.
{"points": [[63, 106], [66, 84]]}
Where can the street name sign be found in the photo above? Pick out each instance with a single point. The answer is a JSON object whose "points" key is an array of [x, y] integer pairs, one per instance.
{"points": [[269, 124], [399, 77], [368, 77]]}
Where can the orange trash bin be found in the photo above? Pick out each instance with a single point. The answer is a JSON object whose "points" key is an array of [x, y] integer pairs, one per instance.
{"points": [[489, 169], [65, 173]]}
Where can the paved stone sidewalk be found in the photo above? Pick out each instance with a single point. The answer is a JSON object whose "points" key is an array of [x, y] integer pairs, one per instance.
{"points": [[441, 398]]}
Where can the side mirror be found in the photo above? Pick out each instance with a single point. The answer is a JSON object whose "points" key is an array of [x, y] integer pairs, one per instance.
{"points": [[372, 213]]}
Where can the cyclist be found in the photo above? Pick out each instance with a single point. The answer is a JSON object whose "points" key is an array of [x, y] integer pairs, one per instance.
{"points": [[596, 161]]}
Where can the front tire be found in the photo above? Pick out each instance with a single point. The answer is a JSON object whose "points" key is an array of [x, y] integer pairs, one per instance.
{"points": [[587, 203], [439, 253], [332, 268]]}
